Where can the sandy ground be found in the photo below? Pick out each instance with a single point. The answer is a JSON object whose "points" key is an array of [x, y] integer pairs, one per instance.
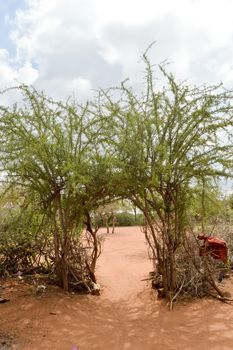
{"points": [[127, 315]]}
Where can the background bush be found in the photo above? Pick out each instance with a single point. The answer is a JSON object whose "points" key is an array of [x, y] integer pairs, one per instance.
{"points": [[128, 219]]}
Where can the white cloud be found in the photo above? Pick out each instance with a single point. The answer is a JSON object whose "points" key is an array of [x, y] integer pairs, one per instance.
{"points": [[11, 75], [81, 85], [62, 88], [6, 72], [77, 45], [27, 74]]}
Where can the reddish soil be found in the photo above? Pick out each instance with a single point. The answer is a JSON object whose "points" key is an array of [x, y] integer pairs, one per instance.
{"points": [[127, 314]]}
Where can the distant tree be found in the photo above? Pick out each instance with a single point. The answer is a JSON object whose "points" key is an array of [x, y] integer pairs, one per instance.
{"points": [[227, 208], [230, 200], [107, 215], [206, 205]]}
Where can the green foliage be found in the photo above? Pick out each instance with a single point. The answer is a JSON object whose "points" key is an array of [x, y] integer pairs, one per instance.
{"points": [[207, 208], [128, 219], [51, 147], [227, 209], [230, 201], [21, 243], [54, 152]]}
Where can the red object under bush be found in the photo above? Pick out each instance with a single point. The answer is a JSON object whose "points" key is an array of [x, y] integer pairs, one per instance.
{"points": [[215, 247]]}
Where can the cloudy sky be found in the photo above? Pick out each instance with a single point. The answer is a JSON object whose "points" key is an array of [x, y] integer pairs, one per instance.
{"points": [[75, 46]]}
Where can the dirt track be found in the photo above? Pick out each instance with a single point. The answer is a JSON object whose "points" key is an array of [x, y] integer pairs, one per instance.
{"points": [[127, 315]]}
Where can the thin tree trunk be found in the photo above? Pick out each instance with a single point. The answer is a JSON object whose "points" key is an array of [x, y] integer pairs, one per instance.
{"points": [[92, 266], [113, 224], [64, 268], [107, 226]]}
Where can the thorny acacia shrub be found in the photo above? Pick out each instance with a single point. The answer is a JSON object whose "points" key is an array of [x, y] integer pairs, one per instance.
{"points": [[165, 142], [52, 150]]}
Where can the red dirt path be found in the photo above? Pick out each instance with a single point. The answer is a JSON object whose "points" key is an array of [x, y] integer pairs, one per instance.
{"points": [[127, 315]]}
